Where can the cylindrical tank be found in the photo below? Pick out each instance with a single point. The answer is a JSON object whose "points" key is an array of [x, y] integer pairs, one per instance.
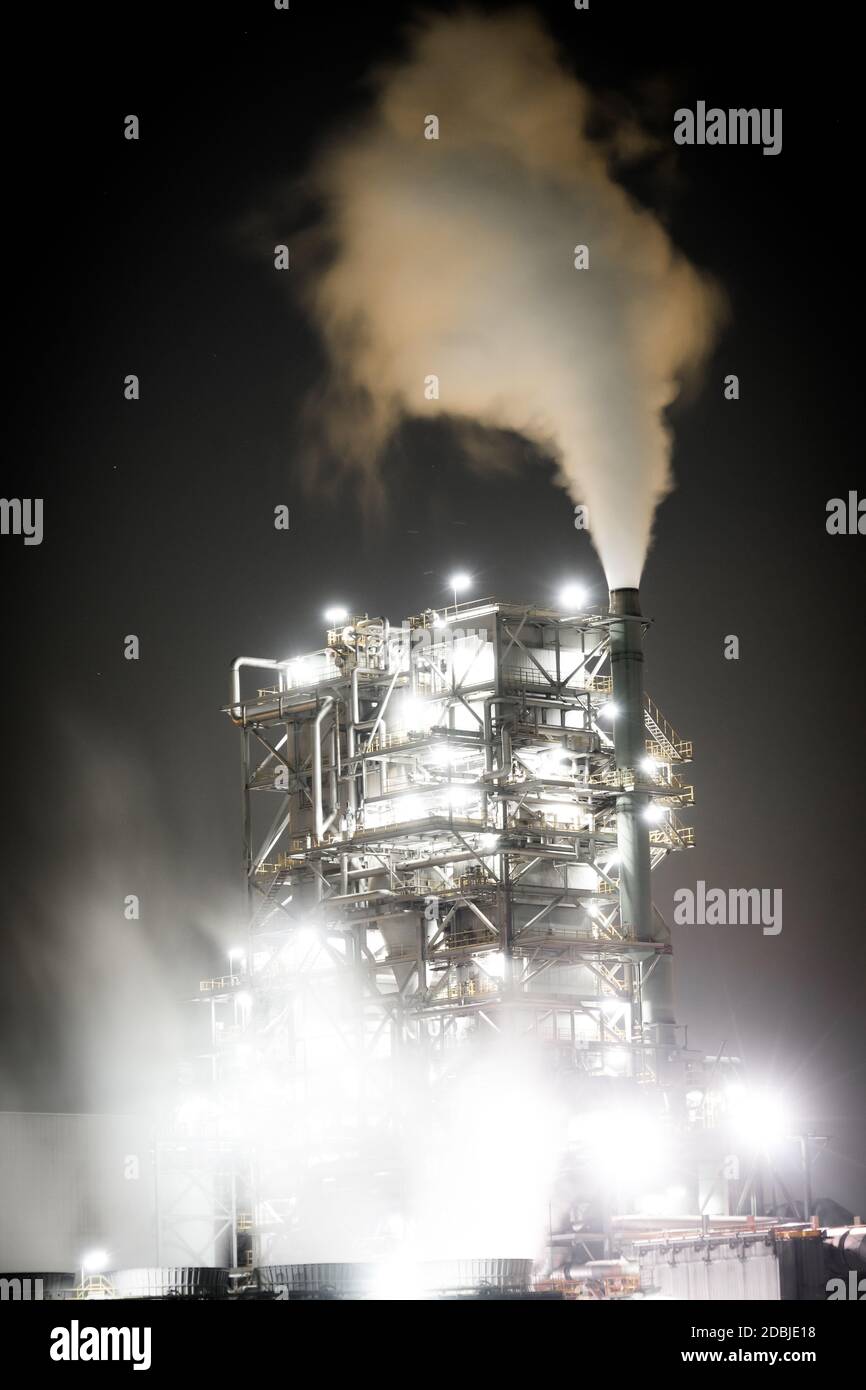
{"points": [[850, 1243]]}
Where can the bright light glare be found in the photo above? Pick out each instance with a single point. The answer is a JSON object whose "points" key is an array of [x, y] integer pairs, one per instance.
{"points": [[336, 615], [494, 964], [623, 1146], [460, 581], [303, 939], [648, 765], [95, 1261], [552, 761], [441, 756], [759, 1114], [237, 953], [416, 714], [654, 814], [500, 1102], [573, 597], [608, 711], [489, 841], [671, 1202], [299, 670], [195, 1112], [459, 796], [244, 1000], [395, 1280]]}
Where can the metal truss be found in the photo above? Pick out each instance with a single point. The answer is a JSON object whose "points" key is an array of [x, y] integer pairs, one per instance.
{"points": [[430, 848]]}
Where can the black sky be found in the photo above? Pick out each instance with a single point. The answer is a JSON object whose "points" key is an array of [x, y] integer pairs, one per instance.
{"points": [[122, 777]]}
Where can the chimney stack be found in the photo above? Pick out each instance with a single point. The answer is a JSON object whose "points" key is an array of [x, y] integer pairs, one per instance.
{"points": [[632, 826]]}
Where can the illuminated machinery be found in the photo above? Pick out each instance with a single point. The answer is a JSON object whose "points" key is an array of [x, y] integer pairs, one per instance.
{"points": [[442, 838]]}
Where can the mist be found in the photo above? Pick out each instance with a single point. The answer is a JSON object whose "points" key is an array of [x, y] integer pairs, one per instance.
{"points": [[111, 937], [452, 271]]}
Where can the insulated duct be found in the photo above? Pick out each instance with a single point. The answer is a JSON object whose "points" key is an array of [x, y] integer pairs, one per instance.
{"points": [[632, 826]]}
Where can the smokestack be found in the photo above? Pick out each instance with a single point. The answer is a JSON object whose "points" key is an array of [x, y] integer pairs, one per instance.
{"points": [[500, 324], [632, 827]]}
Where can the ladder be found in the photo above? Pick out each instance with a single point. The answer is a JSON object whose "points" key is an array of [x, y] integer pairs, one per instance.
{"points": [[665, 738]]}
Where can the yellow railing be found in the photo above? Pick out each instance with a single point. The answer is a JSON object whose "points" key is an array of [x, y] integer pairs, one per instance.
{"points": [[665, 742], [674, 836], [95, 1286], [472, 989], [219, 983]]}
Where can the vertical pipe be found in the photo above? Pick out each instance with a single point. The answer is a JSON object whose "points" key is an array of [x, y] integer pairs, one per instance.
{"points": [[234, 1212], [334, 769], [350, 756], [327, 704], [806, 1158], [247, 830], [505, 892], [632, 828]]}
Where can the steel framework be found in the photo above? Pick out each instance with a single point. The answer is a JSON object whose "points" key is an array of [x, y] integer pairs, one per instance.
{"points": [[430, 849]]}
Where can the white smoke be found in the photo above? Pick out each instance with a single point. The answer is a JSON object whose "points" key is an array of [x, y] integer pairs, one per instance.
{"points": [[454, 257]]}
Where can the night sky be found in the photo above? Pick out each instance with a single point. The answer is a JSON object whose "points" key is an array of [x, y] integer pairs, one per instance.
{"points": [[156, 257]]}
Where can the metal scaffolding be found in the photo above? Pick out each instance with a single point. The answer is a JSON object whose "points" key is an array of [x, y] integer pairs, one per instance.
{"points": [[431, 850]]}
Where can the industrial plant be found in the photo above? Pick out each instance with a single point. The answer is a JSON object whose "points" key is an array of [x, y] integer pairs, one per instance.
{"points": [[449, 827], [404, 1021], [444, 1059]]}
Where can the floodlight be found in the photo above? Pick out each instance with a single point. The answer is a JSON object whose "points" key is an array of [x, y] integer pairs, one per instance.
{"points": [[572, 597]]}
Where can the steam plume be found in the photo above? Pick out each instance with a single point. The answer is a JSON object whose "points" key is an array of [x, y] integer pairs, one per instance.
{"points": [[455, 258]]}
